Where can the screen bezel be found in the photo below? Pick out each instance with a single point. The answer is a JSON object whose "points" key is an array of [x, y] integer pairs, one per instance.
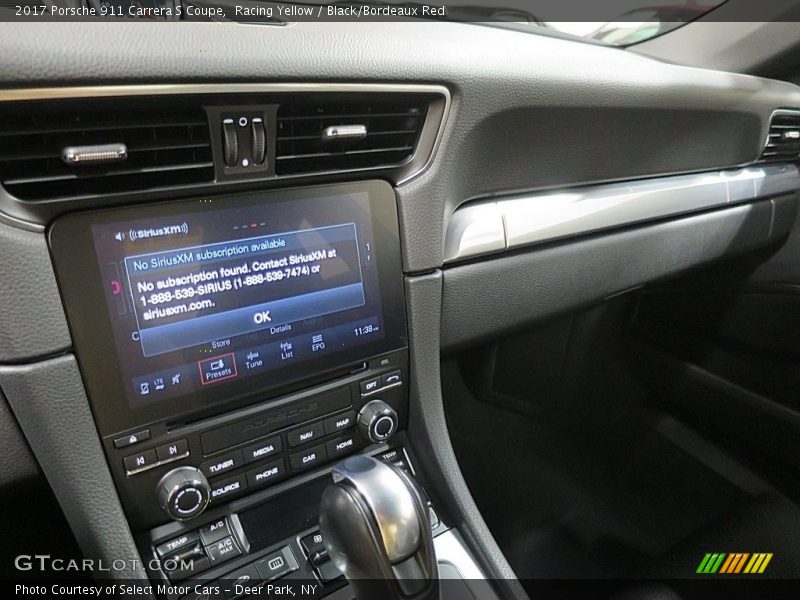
{"points": [[81, 283]]}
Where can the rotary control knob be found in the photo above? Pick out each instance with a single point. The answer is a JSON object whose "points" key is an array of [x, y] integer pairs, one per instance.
{"points": [[377, 421], [183, 493]]}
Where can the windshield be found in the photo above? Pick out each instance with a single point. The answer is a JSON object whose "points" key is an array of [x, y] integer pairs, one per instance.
{"points": [[647, 20], [614, 22]]}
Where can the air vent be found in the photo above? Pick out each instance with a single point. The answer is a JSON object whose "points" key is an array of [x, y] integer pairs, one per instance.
{"points": [[331, 135], [783, 143], [166, 146]]}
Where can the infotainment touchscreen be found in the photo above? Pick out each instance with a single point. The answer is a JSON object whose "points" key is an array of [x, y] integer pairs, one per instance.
{"points": [[207, 294]]}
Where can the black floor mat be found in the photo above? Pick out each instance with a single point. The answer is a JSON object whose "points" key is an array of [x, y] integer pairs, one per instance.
{"points": [[580, 502]]}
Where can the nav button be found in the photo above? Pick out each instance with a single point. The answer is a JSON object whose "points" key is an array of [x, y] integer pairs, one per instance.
{"points": [[304, 435]]}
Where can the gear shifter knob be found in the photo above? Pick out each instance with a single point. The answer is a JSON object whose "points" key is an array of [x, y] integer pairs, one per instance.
{"points": [[377, 531]]}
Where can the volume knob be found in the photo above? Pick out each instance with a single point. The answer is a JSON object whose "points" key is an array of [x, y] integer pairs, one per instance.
{"points": [[183, 493], [377, 421]]}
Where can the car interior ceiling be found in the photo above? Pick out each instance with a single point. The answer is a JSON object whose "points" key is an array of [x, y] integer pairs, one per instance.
{"points": [[558, 317]]}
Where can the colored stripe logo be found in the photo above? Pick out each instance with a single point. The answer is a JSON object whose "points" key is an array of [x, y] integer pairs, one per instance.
{"points": [[734, 563]]}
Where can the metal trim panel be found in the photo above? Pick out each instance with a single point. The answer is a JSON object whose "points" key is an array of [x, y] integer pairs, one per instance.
{"points": [[474, 229]]}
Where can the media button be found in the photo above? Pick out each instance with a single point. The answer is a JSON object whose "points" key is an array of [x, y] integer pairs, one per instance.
{"points": [[217, 369], [307, 459], [305, 435], [262, 449]]}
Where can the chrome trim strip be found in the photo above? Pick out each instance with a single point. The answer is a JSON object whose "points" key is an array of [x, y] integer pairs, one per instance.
{"points": [[474, 229], [451, 550], [497, 225], [56, 93]]}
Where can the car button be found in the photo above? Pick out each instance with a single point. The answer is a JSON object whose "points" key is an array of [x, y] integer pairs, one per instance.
{"points": [[262, 449], [224, 549], [307, 458], [305, 434], [213, 532], [277, 564], [340, 422], [222, 464]]}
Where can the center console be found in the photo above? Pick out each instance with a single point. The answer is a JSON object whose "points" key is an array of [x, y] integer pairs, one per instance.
{"points": [[233, 348]]}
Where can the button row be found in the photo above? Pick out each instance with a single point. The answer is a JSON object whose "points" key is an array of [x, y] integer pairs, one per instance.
{"points": [[314, 548], [197, 551], [136, 463], [313, 431], [273, 471], [381, 382], [300, 461], [248, 578]]}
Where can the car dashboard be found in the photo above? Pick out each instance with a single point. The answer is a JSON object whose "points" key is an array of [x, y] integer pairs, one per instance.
{"points": [[236, 254]]}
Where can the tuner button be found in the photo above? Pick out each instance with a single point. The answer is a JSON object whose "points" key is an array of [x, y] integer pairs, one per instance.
{"points": [[377, 421], [183, 493]]}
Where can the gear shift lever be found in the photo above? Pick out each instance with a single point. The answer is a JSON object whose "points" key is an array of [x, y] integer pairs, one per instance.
{"points": [[377, 531]]}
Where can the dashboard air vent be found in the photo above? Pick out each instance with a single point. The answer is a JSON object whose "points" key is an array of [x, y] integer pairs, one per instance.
{"points": [[61, 150], [338, 135], [783, 143]]}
